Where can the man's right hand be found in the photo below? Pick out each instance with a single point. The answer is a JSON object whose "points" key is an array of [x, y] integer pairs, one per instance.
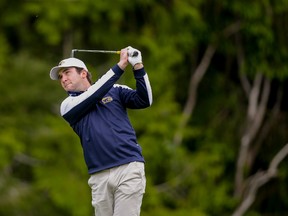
{"points": [[123, 62]]}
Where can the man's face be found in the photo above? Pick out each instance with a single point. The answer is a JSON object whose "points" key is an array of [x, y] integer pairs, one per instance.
{"points": [[71, 80]]}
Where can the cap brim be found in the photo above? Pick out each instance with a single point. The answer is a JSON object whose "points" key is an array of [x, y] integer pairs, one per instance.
{"points": [[54, 73]]}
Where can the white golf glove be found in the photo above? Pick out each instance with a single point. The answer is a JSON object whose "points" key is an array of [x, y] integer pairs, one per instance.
{"points": [[134, 56]]}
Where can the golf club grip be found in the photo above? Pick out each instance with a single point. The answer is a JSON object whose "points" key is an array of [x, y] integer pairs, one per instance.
{"points": [[134, 54]]}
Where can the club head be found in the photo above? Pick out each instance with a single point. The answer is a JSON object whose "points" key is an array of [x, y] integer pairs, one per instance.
{"points": [[72, 52]]}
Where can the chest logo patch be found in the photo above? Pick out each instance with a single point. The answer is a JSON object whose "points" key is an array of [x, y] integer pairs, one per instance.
{"points": [[107, 99]]}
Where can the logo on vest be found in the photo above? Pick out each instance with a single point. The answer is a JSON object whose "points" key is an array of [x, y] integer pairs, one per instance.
{"points": [[107, 99]]}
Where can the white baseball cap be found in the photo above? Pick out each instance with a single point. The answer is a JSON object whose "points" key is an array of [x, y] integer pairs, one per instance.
{"points": [[69, 62]]}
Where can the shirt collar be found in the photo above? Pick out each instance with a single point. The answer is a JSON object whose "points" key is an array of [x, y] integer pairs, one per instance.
{"points": [[74, 93]]}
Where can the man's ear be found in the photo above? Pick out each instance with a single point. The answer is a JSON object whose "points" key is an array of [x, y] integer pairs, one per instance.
{"points": [[84, 74]]}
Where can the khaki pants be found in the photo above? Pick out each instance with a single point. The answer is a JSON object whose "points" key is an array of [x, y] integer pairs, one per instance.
{"points": [[118, 191]]}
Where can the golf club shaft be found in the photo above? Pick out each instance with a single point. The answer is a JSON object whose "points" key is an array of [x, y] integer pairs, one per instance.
{"points": [[99, 51], [94, 51]]}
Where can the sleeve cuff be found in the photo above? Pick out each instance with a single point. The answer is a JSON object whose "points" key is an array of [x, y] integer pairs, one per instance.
{"points": [[117, 70], [139, 73]]}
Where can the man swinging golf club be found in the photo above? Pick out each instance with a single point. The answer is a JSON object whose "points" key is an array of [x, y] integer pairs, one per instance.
{"points": [[97, 113]]}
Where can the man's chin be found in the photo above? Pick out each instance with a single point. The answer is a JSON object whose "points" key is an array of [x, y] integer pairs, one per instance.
{"points": [[68, 87]]}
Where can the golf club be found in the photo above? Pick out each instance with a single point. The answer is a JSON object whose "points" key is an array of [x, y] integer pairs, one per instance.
{"points": [[135, 53]]}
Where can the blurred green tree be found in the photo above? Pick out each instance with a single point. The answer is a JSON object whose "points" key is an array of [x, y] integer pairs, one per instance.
{"points": [[219, 75]]}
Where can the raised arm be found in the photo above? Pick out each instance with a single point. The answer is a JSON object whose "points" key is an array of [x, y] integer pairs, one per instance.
{"points": [[76, 106]]}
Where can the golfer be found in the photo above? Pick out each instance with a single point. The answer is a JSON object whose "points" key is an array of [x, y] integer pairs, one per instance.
{"points": [[98, 114]]}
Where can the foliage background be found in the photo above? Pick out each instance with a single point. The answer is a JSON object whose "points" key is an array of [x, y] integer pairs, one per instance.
{"points": [[42, 171]]}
